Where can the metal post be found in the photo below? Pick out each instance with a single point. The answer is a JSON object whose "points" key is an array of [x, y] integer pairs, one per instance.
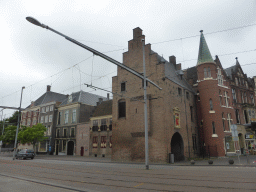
{"points": [[18, 124], [145, 105]]}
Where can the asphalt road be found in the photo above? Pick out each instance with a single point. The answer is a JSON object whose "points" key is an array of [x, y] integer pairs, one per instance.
{"points": [[57, 175]]}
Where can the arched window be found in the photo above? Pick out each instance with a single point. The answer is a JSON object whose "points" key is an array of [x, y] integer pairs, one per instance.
{"points": [[211, 106], [213, 128]]}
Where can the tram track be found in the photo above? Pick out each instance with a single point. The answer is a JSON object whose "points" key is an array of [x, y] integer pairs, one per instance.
{"points": [[84, 179]]}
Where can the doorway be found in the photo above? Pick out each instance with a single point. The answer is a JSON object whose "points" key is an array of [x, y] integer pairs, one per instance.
{"points": [[177, 147], [70, 148], [82, 151]]}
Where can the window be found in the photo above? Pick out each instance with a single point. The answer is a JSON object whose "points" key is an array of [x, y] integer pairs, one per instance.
{"points": [[74, 116], [237, 116], [72, 132], [58, 133], [95, 142], [47, 109], [103, 126], [207, 72], [220, 77], [46, 119], [49, 130], [191, 114], [69, 98], [103, 143], [234, 95], [59, 117], [246, 84], [211, 106], [95, 125], [50, 118], [245, 97], [65, 133], [28, 122], [236, 81], [229, 121], [66, 117], [29, 114], [187, 95], [213, 128], [42, 119], [123, 86], [64, 143], [252, 98], [34, 121], [179, 91], [43, 110], [245, 117], [220, 97], [226, 98], [223, 122], [242, 97], [122, 109], [51, 108]]}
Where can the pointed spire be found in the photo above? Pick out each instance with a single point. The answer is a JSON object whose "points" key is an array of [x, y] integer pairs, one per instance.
{"points": [[237, 63], [204, 55]]}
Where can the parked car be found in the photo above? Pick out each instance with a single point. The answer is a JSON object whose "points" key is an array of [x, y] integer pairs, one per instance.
{"points": [[25, 153]]}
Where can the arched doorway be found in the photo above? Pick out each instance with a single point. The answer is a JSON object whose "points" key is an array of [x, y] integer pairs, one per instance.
{"points": [[70, 148], [177, 147]]}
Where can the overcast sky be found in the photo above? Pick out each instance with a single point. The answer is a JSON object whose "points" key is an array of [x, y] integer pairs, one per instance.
{"points": [[35, 57]]}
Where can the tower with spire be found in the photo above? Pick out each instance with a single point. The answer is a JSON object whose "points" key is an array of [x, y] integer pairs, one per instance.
{"points": [[215, 103]]}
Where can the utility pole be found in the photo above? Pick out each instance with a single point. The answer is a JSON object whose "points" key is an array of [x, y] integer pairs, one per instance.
{"points": [[145, 105]]}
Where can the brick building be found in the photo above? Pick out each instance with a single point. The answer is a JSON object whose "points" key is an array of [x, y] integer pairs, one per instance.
{"points": [[223, 96], [101, 130], [171, 111]]}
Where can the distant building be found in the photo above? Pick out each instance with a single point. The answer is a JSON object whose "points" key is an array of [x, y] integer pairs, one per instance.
{"points": [[73, 111], [43, 111], [101, 130]]}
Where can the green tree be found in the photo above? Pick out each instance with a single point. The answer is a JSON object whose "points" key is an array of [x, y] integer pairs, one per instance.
{"points": [[13, 118], [32, 134], [9, 135]]}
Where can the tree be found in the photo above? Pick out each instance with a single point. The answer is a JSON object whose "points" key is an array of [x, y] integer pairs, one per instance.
{"points": [[13, 118], [8, 137], [32, 134]]}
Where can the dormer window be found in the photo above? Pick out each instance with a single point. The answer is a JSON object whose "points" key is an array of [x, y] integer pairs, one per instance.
{"points": [[70, 98]]}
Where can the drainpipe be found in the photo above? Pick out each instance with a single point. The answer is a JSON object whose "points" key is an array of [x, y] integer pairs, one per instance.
{"points": [[186, 122]]}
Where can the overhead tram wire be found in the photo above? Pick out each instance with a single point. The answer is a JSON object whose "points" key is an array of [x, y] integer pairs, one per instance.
{"points": [[62, 71], [204, 34]]}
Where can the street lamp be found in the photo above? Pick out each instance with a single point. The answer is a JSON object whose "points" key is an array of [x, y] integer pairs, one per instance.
{"points": [[18, 125], [143, 77]]}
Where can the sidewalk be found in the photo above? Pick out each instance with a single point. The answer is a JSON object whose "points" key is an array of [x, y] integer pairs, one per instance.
{"points": [[221, 161]]}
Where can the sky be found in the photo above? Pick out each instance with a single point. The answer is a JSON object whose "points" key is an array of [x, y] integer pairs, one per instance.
{"points": [[35, 57]]}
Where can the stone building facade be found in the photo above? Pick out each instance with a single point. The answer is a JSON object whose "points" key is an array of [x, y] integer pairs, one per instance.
{"points": [[171, 111]]}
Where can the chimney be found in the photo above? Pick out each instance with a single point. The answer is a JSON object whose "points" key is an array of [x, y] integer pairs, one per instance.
{"points": [[32, 103], [178, 66], [172, 60], [137, 32], [48, 88], [108, 96]]}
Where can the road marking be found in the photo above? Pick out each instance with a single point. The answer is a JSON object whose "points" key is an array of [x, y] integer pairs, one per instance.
{"points": [[139, 185]]}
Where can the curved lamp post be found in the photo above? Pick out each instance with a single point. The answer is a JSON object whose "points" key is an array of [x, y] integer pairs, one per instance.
{"points": [[143, 77], [18, 125]]}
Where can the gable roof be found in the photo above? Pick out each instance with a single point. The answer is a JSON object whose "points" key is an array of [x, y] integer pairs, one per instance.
{"points": [[47, 97], [84, 97], [105, 108]]}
